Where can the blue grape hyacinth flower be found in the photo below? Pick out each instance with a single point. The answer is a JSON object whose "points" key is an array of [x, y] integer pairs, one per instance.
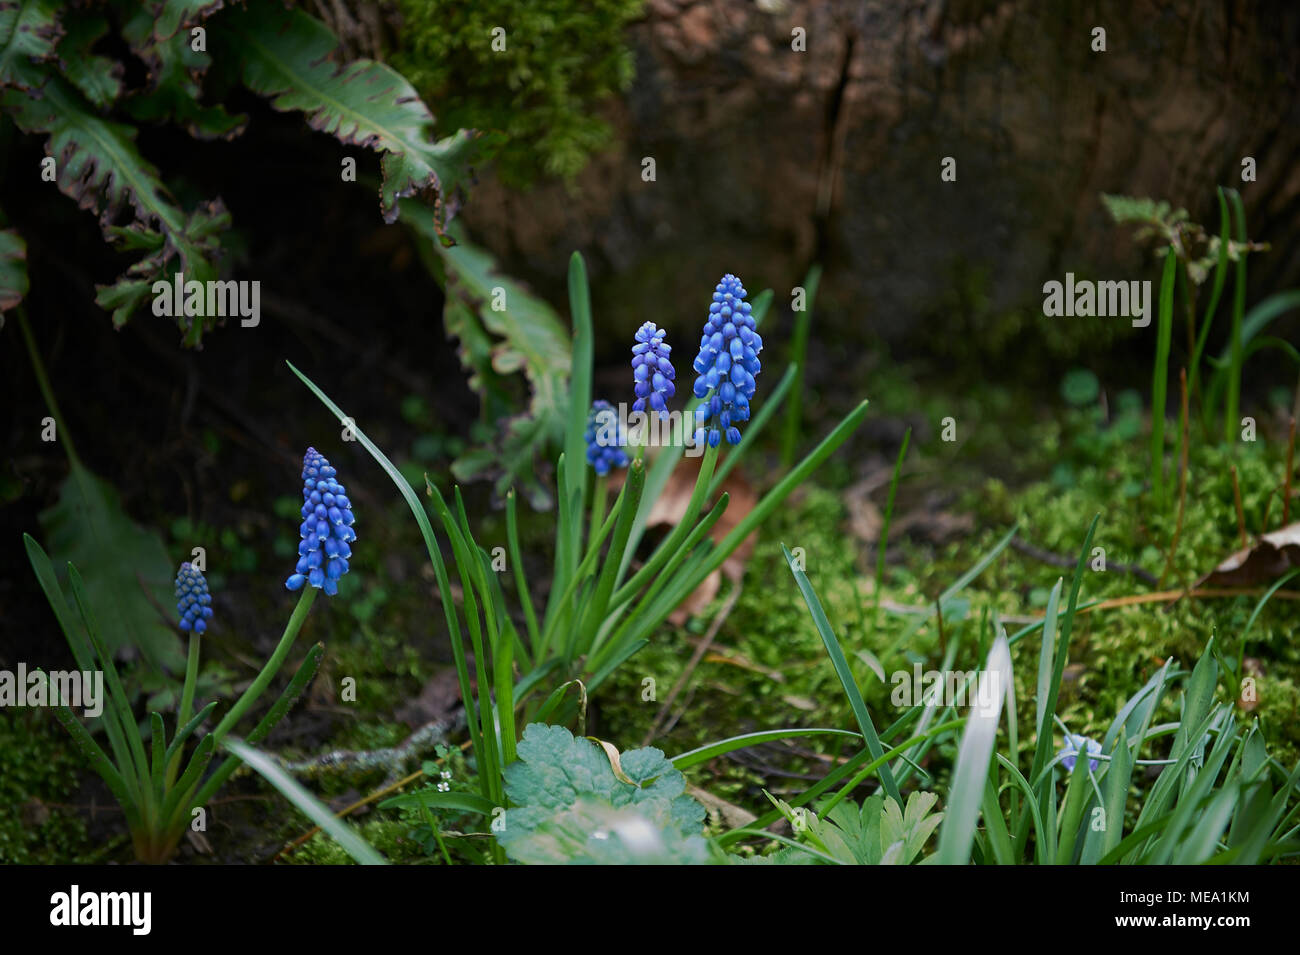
{"points": [[193, 602], [652, 370], [605, 439], [1076, 744], [326, 527], [727, 364]]}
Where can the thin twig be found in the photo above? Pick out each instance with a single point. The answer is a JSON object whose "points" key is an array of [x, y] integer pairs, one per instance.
{"points": [[1173, 595], [1182, 483], [1241, 515], [1290, 466], [1060, 560]]}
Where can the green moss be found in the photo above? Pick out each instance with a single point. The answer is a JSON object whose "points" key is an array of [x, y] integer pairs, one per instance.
{"points": [[391, 837], [39, 776], [542, 90]]}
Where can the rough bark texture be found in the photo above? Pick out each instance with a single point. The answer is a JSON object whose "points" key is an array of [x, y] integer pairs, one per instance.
{"points": [[768, 159]]}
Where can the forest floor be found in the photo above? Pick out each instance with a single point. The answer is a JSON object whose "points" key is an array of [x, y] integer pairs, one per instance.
{"points": [[1047, 472]]}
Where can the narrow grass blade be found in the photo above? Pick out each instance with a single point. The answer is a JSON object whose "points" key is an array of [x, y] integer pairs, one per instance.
{"points": [[1236, 341], [579, 395], [1160, 377], [798, 358], [1212, 306], [844, 672], [521, 581], [974, 757], [1043, 748], [731, 744], [101, 764], [1046, 657], [85, 657], [884, 523], [464, 802], [184, 732], [117, 696], [306, 803]]}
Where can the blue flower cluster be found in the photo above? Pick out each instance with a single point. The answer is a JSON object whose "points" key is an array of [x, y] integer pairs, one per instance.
{"points": [[652, 370], [1076, 744], [193, 602], [326, 527], [727, 363], [603, 456]]}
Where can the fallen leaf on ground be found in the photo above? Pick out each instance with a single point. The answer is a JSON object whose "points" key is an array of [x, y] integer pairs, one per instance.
{"points": [[1264, 562], [439, 697], [733, 816]]}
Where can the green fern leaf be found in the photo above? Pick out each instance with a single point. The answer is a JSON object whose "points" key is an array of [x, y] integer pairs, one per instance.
{"points": [[128, 574], [174, 92], [102, 170], [175, 14], [98, 77], [287, 56], [29, 31], [504, 329]]}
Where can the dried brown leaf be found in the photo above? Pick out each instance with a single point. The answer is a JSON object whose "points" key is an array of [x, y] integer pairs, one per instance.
{"points": [[1268, 559]]}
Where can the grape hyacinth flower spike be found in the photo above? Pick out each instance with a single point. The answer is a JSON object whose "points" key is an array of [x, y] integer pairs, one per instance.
{"points": [[193, 602], [604, 440], [326, 527], [651, 369], [727, 364]]}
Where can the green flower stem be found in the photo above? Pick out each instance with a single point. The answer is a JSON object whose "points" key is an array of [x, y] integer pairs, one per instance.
{"points": [[272, 665], [191, 679], [187, 700], [43, 382]]}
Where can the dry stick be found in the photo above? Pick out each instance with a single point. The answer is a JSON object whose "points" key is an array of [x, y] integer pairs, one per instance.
{"points": [[696, 657], [1290, 466], [1175, 595], [1055, 560], [1241, 515], [1182, 484]]}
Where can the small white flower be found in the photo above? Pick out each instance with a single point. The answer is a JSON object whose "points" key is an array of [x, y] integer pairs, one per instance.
{"points": [[446, 774], [444, 787]]}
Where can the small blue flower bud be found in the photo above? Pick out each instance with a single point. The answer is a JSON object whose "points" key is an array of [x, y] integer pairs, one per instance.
{"points": [[650, 365], [193, 602], [605, 438]]}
